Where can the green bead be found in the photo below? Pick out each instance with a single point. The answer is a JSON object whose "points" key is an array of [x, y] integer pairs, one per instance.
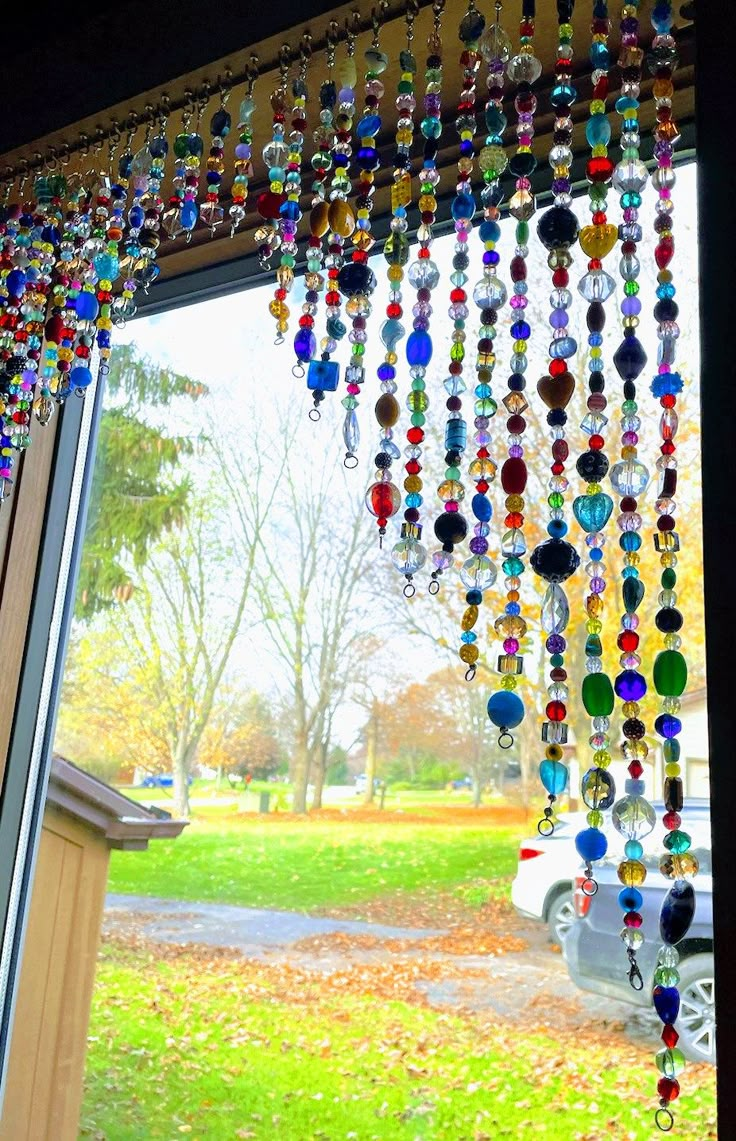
{"points": [[556, 499], [358, 350], [556, 660], [631, 288], [670, 673], [418, 385], [670, 1062], [181, 145], [522, 233], [629, 407], [671, 751], [598, 695], [593, 647], [417, 401], [512, 566], [677, 842], [666, 976], [452, 473], [418, 420], [457, 352], [669, 578]]}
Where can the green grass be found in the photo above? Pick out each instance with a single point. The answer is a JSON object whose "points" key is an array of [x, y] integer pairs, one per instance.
{"points": [[308, 864], [212, 1051]]}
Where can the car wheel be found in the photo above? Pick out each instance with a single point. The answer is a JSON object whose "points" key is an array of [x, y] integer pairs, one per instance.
{"points": [[696, 1024], [561, 917]]}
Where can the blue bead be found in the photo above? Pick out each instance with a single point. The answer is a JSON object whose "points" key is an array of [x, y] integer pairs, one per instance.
{"points": [[600, 60], [505, 709], [86, 306], [629, 357], [305, 344], [392, 331], [593, 511], [468, 636], [557, 528], [598, 130], [16, 282], [677, 912], [290, 210], [463, 206], [591, 844], [666, 1001], [512, 608], [419, 348], [189, 214], [80, 377], [474, 597], [667, 725], [630, 686], [564, 348], [520, 330], [553, 775], [630, 541], [489, 231], [482, 508], [386, 372], [633, 850], [414, 499], [456, 435], [323, 375], [666, 384], [629, 899], [136, 217], [595, 555], [368, 126], [335, 328]]}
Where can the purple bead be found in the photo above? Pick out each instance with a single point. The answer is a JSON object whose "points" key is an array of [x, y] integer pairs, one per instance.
{"points": [[597, 585], [662, 149], [478, 546], [556, 644], [481, 421], [516, 451], [346, 95], [517, 301], [629, 25], [242, 150], [421, 323], [432, 103], [630, 306], [561, 186], [559, 318]]}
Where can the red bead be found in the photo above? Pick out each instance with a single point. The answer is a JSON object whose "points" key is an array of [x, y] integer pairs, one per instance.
{"points": [[556, 711], [670, 1037], [513, 476], [558, 674], [557, 367], [632, 919], [560, 450], [668, 400], [596, 442], [636, 769], [560, 278], [627, 641], [628, 503], [668, 1088], [668, 448], [557, 468], [516, 425], [482, 453], [415, 435], [482, 485], [671, 820], [599, 169], [413, 467], [394, 310], [458, 295], [664, 252], [665, 523]]}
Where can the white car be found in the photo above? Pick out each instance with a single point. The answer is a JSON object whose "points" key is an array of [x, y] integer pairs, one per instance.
{"points": [[543, 885]]}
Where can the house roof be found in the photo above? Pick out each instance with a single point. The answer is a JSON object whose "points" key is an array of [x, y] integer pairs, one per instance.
{"points": [[122, 822]]}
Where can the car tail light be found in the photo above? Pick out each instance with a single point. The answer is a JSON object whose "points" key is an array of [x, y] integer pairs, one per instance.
{"points": [[529, 853], [581, 901]]}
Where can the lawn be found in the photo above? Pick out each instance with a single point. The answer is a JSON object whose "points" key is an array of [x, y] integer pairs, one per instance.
{"points": [[219, 1049], [308, 864]]}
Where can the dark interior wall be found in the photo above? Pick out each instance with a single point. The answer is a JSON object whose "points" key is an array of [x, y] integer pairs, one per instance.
{"points": [[103, 53]]}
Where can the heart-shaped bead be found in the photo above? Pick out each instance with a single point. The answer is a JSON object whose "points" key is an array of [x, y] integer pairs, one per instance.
{"points": [[593, 511], [556, 391], [597, 241]]}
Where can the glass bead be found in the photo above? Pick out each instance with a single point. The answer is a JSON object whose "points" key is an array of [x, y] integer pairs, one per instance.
{"points": [[677, 913], [478, 573]]}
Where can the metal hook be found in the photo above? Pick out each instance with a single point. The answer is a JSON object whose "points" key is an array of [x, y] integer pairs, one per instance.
{"points": [[224, 86], [352, 31], [252, 71], [636, 982], [163, 110], [99, 138], [284, 63]]}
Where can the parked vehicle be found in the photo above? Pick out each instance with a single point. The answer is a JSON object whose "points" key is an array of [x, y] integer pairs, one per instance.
{"points": [[161, 780], [361, 783], [596, 959], [543, 885], [461, 782]]}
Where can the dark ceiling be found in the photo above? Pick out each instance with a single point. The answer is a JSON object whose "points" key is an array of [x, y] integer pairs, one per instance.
{"points": [[94, 56]]}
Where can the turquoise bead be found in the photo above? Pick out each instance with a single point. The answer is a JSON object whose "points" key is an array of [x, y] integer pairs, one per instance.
{"points": [[598, 130]]}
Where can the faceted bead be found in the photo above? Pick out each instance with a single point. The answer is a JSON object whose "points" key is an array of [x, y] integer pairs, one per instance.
{"points": [[676, 915], [633, 817], [632, 873], [679, 867], [555, 613], [629, 478], [630, 358], [478, 573], [557, 228], [630, 686], [673, 798], [598, 789], [596, 285]]}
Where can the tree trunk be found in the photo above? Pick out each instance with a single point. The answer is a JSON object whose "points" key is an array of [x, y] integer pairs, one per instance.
{"points": [[300, 775], [181, 779], [319, 781], [476, 790], [371, 749]]}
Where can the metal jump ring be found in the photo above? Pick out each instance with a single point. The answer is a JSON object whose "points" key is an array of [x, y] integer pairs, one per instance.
{"points": [[589, 887], [664, 1119], [505, 739], [314, 415], [409, 590], [545, 827], [470, 673], [434, 587], [350, 461], [297, 371]]}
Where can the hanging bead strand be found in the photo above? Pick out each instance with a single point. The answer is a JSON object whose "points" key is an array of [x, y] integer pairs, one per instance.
{"points": [[593, 509], [212, 212], [409, 555], [450, 526], [632, 817], [289, 176], [523, 70], [356, 279], [383, 498], [478, 572], [243, 150], [269, 203], [678, 864], [555, 559], [323, 374]]}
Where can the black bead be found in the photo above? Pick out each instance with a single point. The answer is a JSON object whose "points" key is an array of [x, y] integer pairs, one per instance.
{"points": [[556, 417], [633, 729], [668, 620], [630, 357], [450, 527], [460, 261], [666, 310], [557, 228], [592, 466], [382, 460], [555, 560], [629, 390], [452, 458], [596, 317], [517, 382], [522, 165], [596, 382], [356, 277]]}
